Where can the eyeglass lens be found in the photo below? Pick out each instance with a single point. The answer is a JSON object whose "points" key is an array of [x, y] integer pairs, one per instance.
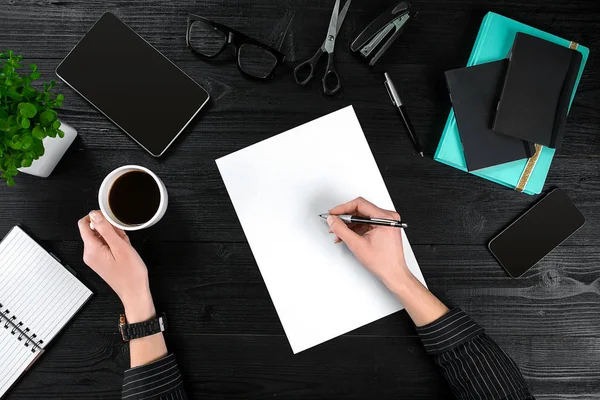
{"points": [[206, 39], [256, 60]]}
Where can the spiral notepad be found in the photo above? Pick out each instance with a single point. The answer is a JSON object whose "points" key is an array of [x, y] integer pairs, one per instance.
{"points": [[38, 297]]}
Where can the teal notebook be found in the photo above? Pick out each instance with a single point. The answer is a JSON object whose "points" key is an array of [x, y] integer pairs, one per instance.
{"points": [[494, 41]]}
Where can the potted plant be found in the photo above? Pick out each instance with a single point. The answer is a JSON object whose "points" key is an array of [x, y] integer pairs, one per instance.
{"points": [[29, 125]]}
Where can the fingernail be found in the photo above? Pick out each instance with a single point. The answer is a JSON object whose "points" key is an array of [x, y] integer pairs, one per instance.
{"points": [[337, 240], [95, 216], [330, 220], [92, 226]]}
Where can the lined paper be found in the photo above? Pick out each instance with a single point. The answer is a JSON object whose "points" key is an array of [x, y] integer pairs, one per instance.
{"points": [[14, 358], [39, 295]]}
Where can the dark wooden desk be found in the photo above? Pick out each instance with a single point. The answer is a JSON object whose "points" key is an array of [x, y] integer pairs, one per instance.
{"points": [[225, 331]]}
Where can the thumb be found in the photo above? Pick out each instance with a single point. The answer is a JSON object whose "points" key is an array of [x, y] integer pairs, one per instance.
{"points": [[348, 236], [106, 230]]}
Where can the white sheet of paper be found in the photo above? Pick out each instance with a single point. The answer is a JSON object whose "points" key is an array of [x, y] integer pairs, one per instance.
{"points": [[278, 188]]}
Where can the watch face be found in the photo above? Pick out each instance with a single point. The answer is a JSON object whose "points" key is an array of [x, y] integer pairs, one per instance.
{"points": [[162, 322], [122, 324]]}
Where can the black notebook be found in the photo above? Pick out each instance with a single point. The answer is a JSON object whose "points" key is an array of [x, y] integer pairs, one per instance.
{"points": [[475, 92], [538, 86], [38, 297]]}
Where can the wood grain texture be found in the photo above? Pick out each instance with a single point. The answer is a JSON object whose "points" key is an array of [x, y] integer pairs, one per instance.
{"points": [[422, 87], [451, 207], [225, 330], [216, 288], [347, 368]]}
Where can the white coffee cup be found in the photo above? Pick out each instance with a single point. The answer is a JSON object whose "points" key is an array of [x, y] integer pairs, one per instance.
{"points": [[104, 192]]}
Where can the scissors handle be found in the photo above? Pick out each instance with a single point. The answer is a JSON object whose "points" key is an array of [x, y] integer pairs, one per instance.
{"points": [[331, 79], [304, 71]]}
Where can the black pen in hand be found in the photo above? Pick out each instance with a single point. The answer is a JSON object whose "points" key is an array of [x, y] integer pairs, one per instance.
{"points": [[352, 219]]}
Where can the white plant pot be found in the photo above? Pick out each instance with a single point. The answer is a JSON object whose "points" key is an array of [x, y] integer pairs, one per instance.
{"points": [[54, 149]]}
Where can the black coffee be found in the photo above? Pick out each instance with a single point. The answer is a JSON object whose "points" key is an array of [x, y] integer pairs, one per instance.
{"points": [[134, 198]]}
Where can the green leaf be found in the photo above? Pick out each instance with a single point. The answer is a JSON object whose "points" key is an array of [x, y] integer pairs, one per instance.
{"points": [[16, 143], [35, 75], [33, 67], [28, 92], [60, 97], [48, 117], [25, 123], [14, 95], [26, 162], [38, 148], [14, 124], [27, 141], [56, 124], [10, 182], [13, 121], [38, 132], [61, 134], [4, 127], [27, 110]]}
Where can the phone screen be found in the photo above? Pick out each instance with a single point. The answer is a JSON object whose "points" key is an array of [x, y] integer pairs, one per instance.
{"points": [[536, 233]]}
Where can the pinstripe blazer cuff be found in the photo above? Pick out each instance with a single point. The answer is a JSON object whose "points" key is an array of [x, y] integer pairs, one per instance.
{"points": [[158, 380], [448, 332]]}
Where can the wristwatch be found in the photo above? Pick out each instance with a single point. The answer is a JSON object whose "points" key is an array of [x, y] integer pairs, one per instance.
{"points": [[141, 329]]}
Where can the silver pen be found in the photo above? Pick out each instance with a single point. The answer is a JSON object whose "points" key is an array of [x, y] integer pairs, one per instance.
{"points": [[397, 102], [352, 219]]}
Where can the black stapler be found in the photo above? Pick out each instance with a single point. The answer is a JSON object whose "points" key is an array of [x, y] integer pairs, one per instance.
{"points": [[389, 25]]}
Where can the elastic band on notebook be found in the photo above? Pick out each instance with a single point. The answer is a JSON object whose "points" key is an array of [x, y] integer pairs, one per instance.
{"points": [[573, 45], [529, 167]]}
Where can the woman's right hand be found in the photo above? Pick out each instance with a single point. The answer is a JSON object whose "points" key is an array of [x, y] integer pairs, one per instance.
{"points": [[109, 253], [378, 248]]}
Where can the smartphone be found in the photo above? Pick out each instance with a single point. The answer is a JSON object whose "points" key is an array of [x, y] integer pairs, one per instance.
{"points": [[536, 233]]}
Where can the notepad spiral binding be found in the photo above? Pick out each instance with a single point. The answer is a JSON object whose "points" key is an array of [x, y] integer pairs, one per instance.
{"points": [[17, 328]]}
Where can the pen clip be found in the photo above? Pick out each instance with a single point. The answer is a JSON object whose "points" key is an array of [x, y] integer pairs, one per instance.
{"points": [[389, 222], [391, 88], [387, 87], [384, 220]]}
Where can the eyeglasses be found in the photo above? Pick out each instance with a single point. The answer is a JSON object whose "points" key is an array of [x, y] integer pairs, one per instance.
{"points": [[208, 39]]}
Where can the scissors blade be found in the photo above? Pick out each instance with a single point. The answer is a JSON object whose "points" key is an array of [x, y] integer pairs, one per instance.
{"points": [[343, 15], [329, 43]]}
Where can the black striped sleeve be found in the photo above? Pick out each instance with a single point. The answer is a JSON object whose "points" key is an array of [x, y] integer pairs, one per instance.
{"points": [[472, 363], [158, 380]]}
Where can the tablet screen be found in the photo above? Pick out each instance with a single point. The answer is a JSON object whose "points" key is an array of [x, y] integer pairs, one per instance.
{"points": [[134, 85]]}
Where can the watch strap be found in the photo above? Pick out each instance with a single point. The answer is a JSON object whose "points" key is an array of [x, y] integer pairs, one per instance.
{"points": [[142, 329]]}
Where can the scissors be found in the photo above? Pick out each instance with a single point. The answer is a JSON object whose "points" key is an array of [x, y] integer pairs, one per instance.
{"points": [[304, 72]]}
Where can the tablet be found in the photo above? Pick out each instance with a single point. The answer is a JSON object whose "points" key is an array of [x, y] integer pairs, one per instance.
{"points": [[132, 84]]}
